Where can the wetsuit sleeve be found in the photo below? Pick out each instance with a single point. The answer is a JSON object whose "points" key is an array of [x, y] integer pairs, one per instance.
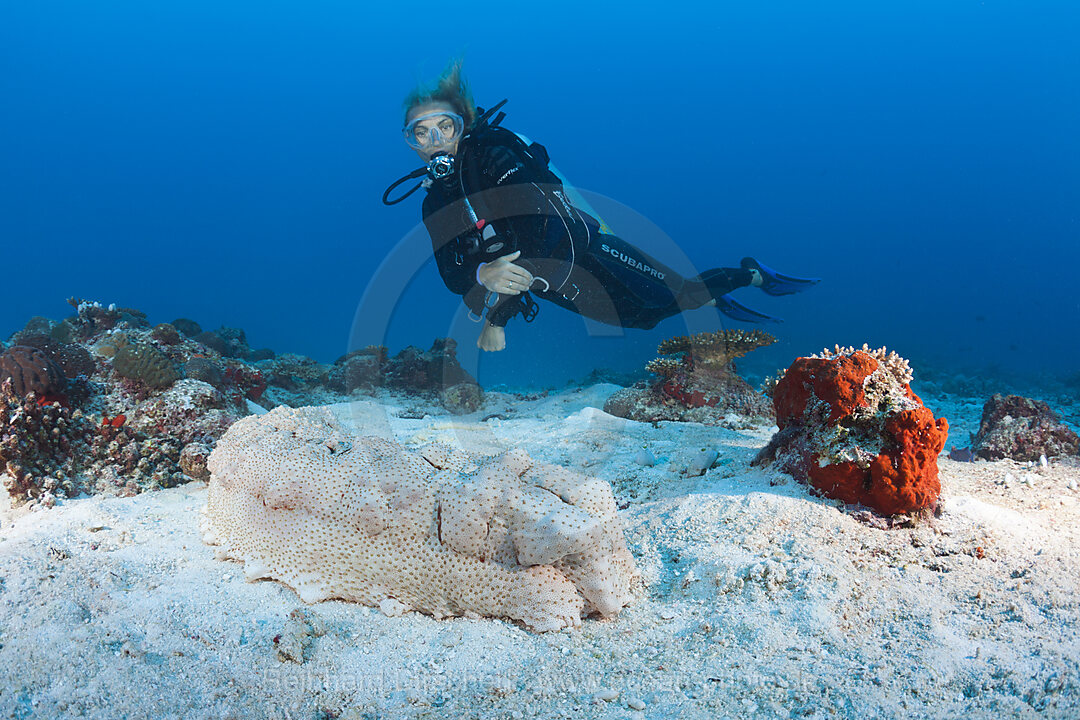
{"points": [[526, 201], [461, 279], [457, 269]]}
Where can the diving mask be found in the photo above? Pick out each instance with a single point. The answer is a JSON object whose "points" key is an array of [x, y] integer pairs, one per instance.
{"points": [[433, 129]]}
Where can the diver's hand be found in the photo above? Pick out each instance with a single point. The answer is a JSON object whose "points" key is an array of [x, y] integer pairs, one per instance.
{"points": [[492, 339], [502, 276]]}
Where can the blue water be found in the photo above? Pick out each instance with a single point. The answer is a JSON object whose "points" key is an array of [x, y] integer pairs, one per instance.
{"points": [[224, 162]]}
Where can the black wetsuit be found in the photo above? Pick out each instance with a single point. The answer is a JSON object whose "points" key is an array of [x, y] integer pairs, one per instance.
{"points": [[514, 194]]}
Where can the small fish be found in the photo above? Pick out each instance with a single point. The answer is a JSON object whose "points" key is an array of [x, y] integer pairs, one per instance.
{"points": [[962, 454], [701, 462]]}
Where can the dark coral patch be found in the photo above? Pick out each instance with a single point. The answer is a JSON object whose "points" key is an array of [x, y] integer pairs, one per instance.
{"points": [[31, 370]]}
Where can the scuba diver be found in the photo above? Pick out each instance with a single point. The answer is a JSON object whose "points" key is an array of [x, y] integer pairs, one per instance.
{"points": [[504, 226]]}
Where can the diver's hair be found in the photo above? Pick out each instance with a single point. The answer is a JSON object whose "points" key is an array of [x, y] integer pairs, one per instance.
{"points": [[450, 88]]}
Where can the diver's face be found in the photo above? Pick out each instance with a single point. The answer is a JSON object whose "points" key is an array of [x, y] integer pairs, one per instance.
{"points": [[426, 143]]}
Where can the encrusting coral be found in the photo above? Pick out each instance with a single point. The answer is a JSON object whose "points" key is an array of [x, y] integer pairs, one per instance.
{"points": [[851, 427], [299, 499], [697, 381]]}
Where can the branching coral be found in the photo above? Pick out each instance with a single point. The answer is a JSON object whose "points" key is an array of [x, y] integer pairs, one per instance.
{"points": [[664, 367], [888, 361]]}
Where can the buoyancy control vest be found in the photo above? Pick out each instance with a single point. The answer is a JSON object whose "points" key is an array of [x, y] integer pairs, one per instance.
{"points": [[499, 194]]}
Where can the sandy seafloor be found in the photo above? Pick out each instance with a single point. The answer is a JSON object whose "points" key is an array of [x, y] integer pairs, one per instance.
{"points": [[759, 599]]}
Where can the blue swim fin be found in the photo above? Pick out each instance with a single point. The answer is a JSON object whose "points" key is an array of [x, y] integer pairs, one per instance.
{"points": [[738, 311], [776, 283]]}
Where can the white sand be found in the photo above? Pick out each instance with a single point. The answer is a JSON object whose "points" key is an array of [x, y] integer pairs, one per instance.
{"points": [[760, 599]]}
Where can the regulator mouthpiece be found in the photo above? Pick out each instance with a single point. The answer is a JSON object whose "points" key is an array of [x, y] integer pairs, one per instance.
{"points": [[441, 166]]}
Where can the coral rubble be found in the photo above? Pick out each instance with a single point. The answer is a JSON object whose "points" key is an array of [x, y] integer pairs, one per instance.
{"points": [[697, 381], [851, 427], [299, 499], [1021, 429]]}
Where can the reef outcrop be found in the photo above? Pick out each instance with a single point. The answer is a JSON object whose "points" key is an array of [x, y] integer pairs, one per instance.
{"points": [[850, 426], [360, 369], [1023, 429], [50, 451], [97, 403], [435, 373], [103, 401], [696, 381], [298, 498], [73, 359]]}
